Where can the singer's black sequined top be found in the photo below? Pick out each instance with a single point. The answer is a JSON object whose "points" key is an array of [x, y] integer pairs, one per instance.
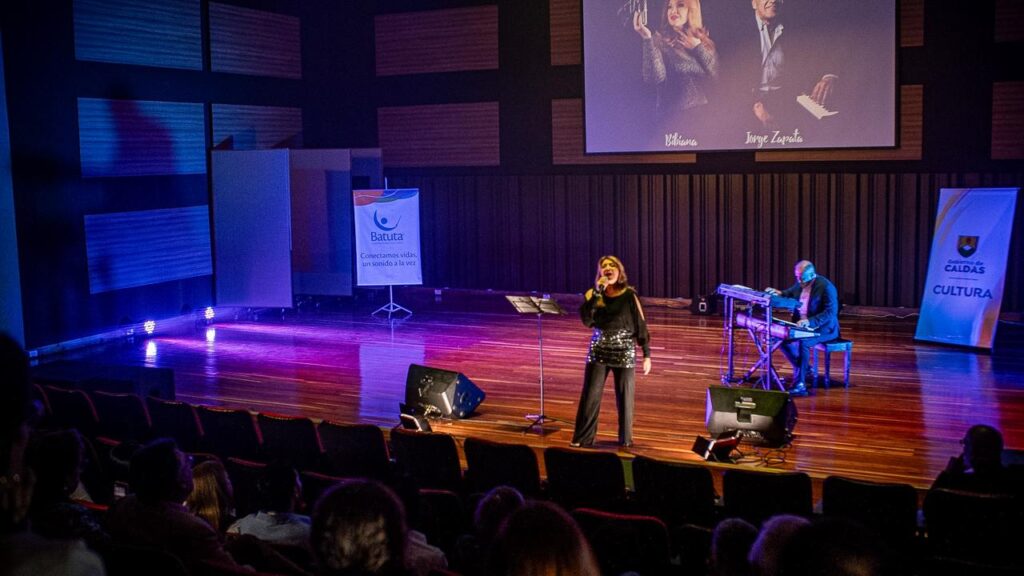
{"points": [[618, 327]]}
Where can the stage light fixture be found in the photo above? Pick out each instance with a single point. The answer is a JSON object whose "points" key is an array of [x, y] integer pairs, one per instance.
{"points": [[208, 314], [149, 326]]}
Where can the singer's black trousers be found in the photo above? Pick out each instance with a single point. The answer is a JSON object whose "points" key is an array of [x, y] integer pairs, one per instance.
{"points": [[590, 402]]}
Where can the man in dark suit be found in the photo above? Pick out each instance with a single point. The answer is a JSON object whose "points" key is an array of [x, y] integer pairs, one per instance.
{"points": [[818, 311]]}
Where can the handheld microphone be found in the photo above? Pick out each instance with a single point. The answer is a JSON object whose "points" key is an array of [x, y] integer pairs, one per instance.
{"points": [[601, 285]]}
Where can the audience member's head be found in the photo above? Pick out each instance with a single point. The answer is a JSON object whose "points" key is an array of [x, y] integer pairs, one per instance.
{"points": [[56, 459], [15, 409], [279, 487], [212, 497], [775, 533], [983, 448], [159, 472], [832, 547], [359, 527], [492, 510], [730, 547], [540, 539]]}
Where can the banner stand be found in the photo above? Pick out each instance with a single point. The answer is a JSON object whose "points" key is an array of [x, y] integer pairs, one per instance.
{"points": [[391, 307]]}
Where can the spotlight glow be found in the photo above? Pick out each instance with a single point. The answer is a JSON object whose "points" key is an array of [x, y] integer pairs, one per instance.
{"points": [[149, 326], [211, 335], [208, 313], [150, 350]]}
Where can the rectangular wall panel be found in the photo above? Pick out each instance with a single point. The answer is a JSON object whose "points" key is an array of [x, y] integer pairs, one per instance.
{"points": [[566, 36], [911, 23], [129, 249], [254, 42], [238, 127], [440, 135], [165, 33], [1009, 21], [1008, 121], [567, 141], [138, 138], [454, 40]]}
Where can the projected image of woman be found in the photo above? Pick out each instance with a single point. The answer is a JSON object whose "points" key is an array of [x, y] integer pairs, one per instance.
{"points": [[679, 59]]}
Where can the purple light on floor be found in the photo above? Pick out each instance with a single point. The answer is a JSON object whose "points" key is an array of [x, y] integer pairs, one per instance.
{"points": [[149, 326], [208, 313]]}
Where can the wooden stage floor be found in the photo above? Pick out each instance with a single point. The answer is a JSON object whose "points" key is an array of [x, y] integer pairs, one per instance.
{"points": [[899, 421]]}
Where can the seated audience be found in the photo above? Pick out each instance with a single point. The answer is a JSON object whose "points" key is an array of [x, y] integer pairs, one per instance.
{"points": [[490, 512], [979, 468], [540, 538], [358, 527], [212, 497], [730, 547], [775, 534], [56, 460], [280, 493], [832, 547], [160, 477], [421, 557], [23, 553]]}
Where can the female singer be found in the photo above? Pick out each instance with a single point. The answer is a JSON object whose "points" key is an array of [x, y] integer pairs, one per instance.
{"points": [[613, 310]]}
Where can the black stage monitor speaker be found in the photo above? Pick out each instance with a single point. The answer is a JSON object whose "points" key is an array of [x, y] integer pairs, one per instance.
{"points": [[449, 393], [762, 417]]}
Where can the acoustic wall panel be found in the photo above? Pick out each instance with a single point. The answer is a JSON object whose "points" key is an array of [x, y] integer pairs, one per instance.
{"points": [[454, 40], [566, 36], [1007, 120], [238, 127], [254, 42], [165, 33], [440, 135], [1009, 21], [129, 249], [567, 141], [140, 138], [911, 23]]}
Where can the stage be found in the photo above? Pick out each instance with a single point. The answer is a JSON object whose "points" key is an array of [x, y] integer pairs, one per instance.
{"points": [[907, 406]]}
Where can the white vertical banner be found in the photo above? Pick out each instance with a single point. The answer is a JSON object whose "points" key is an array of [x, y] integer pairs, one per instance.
{"points": [[967, 270], [387, 227]]}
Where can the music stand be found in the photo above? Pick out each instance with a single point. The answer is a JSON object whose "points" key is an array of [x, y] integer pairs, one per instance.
{"points": [[540, 307]]}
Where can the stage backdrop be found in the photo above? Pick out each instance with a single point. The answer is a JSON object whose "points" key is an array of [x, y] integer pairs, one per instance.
{"points": [[387, 226], [967, 270]]}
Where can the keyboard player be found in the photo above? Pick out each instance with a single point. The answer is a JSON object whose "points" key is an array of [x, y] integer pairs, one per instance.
{"points": [[818, 311]]}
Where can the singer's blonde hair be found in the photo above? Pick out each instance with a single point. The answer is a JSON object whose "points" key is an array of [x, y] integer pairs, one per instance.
{"points": [[623, 279]]}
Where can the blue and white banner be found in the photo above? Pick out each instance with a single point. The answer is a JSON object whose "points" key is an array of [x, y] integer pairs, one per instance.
{"points": [[387, 226], [964, 289]]}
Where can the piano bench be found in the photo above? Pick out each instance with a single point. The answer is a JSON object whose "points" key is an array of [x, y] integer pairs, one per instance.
{"points": [[838, 345]]}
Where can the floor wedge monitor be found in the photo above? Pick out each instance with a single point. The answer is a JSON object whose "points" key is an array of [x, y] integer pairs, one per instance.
{"points": [[762, 417], [441, 392]]}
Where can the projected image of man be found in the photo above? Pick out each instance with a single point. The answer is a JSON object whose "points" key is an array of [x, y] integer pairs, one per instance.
{"points": [[780, 83]]}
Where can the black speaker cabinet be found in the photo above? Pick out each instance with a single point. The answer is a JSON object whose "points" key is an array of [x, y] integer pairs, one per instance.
{"points": [[762, 417], [450, 393]]}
